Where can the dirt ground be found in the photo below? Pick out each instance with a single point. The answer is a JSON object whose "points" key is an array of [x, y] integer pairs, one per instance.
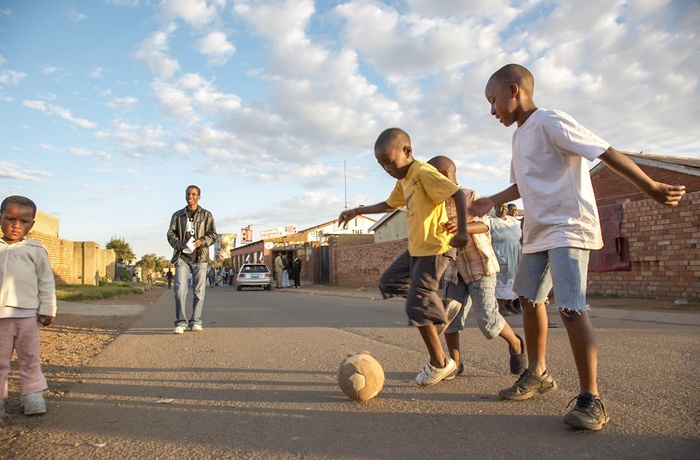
{"points": [[66, 346]]}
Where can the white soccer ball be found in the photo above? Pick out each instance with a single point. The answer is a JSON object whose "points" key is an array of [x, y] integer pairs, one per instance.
{"points": [[360, 376]]}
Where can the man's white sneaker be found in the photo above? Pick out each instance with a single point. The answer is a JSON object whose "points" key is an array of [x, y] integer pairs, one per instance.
{"points": [[179, 330], [197, 328], [34, 403], [430, 375]]}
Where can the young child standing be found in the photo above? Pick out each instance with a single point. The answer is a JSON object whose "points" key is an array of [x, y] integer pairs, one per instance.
{"points": [[416, 273], [28, 294], [470, 279], [549, 171]]}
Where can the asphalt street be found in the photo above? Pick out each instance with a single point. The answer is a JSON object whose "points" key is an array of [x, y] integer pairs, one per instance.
{"points": [[260, 382]]}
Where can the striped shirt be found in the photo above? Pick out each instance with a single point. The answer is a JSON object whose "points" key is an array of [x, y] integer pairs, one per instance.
{"points": [[476, 259]]}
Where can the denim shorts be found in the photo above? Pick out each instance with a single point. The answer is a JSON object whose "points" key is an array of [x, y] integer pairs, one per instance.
{"points": [[563, 269], [481, 294]]}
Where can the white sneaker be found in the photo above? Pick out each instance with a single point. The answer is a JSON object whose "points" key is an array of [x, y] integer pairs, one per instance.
{"points": [[197, 328], [34, 403], [179, 330], [452, 308], [430, 375]]}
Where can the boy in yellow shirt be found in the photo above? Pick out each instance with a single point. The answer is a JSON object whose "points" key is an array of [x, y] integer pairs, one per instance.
{"points": [[416, 273]]}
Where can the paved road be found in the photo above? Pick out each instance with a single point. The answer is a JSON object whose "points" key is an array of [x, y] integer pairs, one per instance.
{"points": [[260, 382]]}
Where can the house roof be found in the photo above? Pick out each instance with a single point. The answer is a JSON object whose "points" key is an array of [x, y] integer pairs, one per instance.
{"points": [[685, 165], [329, 223], [385, 218]]}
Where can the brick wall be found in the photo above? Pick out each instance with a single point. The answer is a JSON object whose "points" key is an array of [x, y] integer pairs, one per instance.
{"points": [[664, 248], [60, 256], [362, 265], [610, 188]]}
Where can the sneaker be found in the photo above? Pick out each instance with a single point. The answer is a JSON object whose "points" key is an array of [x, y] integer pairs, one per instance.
{"points": [[179, 330], [430, 375], [588, 414], [458, 371], [34, 403], [452, 308], [197, 328], [528, 385]]}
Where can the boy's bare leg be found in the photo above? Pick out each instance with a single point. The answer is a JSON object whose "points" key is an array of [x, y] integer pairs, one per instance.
{"points": [[507, 333], [452, 341], [582, 340], [535, 325], [432, 343]]}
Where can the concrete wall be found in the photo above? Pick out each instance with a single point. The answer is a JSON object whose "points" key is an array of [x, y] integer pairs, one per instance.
{"points": [[395, 228], [72, 262]]}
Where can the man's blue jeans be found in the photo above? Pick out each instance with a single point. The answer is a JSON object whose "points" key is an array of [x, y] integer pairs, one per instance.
{"points": [[199, 282]]}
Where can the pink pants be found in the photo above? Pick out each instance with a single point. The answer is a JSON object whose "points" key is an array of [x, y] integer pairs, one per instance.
{"points": [[21, 334]]}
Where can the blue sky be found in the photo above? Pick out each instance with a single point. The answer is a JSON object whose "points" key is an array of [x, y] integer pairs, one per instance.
{"points": [[110, 108]]}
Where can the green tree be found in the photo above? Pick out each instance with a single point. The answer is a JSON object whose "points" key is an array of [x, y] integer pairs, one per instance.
{"points": [[152, 262], [122, 249]]}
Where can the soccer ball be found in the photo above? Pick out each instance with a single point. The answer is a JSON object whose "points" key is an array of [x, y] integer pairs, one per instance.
{"points": [[360, 376]]}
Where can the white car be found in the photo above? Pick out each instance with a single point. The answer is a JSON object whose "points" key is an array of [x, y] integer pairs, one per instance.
{"points": [[254, 275]]}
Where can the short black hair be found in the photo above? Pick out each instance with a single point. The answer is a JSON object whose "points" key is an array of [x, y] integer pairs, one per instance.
{"points": [[443, 163], [393, 136], [199, 192], [515, 73], [20, 201]]}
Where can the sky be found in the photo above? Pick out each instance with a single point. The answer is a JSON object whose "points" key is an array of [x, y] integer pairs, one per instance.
{"points": [[109, 109]]}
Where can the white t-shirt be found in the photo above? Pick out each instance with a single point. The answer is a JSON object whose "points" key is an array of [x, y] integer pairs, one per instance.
{"points": [[550, 166]]}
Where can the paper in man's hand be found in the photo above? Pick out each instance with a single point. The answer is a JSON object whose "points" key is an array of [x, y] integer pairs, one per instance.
{"points": [[189, 249]]}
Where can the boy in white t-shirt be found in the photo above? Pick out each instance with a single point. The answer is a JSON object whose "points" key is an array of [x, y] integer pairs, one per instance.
{"points": [[549, 171]]}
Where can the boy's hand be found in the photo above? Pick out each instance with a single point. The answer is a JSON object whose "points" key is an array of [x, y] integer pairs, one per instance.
{"points": [[669, 195], [345, 217], [481, 206], [45, 320], [450, 227], [460, 240]]}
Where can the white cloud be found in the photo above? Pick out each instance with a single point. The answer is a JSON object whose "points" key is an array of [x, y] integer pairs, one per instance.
{"points": [[83, 152], [76, 16], [126, 103], [49, 69], [7, 12], [153, 53], [11, 77], [197, 13], [216, 47], [62, 112], [96, 72], [135, 140], [14, 171]]}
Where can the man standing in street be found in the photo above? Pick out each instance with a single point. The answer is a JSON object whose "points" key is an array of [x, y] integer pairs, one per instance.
{"points": [[191, 232], [296, 271], [279, 268]]}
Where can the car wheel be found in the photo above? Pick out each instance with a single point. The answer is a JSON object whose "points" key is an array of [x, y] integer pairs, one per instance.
{"points": [[268, 288], [238, 288]]}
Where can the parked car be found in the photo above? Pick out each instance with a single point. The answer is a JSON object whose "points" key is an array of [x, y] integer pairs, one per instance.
{"points": [[254, 275]]}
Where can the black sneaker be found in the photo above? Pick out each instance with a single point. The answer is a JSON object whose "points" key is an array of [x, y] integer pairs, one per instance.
{"points": [[528, 385], [588, 414]]}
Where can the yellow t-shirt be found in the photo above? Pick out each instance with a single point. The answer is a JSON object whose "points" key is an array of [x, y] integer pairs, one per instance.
{"points": [[423, 192]]}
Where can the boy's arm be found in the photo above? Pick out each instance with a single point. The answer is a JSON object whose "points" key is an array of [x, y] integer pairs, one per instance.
{"points": [[461, 238], [348, 214], [670, 195], [483, 205]]}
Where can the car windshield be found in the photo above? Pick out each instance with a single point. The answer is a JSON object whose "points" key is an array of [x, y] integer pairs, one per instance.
{"points": [[254, 269]]}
